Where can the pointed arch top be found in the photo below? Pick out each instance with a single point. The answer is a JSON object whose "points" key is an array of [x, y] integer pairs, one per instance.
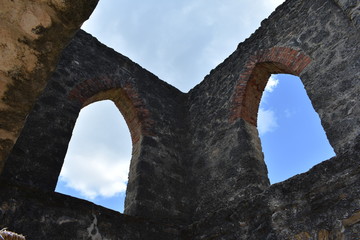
{"points": [[253, 79], [126, 98]]}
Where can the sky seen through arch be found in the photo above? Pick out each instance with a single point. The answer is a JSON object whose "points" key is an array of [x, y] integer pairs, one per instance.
{"points": [[181, 41]]}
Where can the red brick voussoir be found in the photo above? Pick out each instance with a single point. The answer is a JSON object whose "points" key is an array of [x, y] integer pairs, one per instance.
{"points": [[253, 79]]}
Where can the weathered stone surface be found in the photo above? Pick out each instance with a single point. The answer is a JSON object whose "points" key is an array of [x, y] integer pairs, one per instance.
{"points": [[45, 215], [197, 170], [323, 202], [312, 39], [33, 34], [352, 10], [88, 72]]}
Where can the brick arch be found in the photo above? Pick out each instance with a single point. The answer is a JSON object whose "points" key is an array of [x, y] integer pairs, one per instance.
{"points": [[254, 77], [131, 105], [125, 97]]}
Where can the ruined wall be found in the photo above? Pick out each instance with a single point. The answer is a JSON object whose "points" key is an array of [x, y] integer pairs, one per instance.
{"points": [[197, 170], [88, 72], [322, 203], [45, 215], [311, 39]]}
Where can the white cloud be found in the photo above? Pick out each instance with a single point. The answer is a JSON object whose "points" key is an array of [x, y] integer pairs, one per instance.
{"points": [[97, 174], [267, 121], [272, 4], [98, 157], [180, 41], [271, 84]]}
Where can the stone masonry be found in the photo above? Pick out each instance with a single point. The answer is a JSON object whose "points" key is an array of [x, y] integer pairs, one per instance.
{"points": [[197, 169]]}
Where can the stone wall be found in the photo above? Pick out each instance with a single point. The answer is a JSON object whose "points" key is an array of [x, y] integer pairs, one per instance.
{"points": [[311, 39], [48, 215], [88, 72], [197, 169], [322, 203]]}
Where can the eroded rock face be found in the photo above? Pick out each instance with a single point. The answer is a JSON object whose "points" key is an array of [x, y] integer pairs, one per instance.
{"points": [[33, 33]]}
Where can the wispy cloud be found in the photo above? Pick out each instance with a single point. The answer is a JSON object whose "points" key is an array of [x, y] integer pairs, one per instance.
{"points": [[289, 113], [180, 41], [271, 84], [267, 121], [271, 4]]}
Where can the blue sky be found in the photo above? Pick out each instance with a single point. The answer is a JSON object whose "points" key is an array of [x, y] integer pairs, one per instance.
{"points": [[180, 42]]}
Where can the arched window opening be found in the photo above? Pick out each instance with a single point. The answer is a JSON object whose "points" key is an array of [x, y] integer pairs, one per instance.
{"points": [[292, 137], [97, 162]]}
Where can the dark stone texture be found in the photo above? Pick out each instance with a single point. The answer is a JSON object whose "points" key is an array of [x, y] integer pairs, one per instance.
{"points": [[322, 199], [49, 215], [197, 170], [95, 71]]}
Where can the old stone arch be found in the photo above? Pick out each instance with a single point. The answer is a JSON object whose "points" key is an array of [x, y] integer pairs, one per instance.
{"points": [[65, 113], [200, 172], [100, 149], [254, 77]]}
